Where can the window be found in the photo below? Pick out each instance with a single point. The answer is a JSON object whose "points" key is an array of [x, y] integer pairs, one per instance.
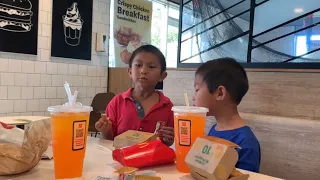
{"points": [[165, 30]]}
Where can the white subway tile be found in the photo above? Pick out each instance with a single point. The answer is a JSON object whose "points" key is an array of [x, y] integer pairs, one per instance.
{"points": [[50, 18], [96, 82], [102, 7], [82, 92], [105, 71], [92, 70], [4, 65], [6, 106], [3, 92], [13, 114], [104, 82], [77, 81], [51, 92], [94, 27], [47, 5], [39, 92], [34, 80], [14, 65], [57, 80], [41, 4], [83, 70], [101, 90], [73, 69], [43, 17], [26, 114], [104, 62], [62, 68], [44, 104], [49, 43], [27, 66], [14, 92], [55, 102], [27, 93], [20, 106], [105, 18], [95, 5], [87, 81], [43, 42], [6, 55], [61, 93], [33, 105], [38, 113], [40, 67], [52, 68], [97, 17], [100, 72], [7, 79], [46, 30], [91, 92], [101, 28], [44, 55], [46, 80], [20, 79]]}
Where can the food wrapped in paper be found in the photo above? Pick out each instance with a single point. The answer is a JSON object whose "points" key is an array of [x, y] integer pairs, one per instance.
{"points": [[20, 150]]}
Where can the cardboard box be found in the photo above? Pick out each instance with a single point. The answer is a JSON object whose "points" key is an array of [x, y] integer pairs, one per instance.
{"points": [[213, 159], [132, 137]]}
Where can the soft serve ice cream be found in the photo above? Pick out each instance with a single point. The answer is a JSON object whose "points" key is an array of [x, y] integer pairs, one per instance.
{"points": [[72, 23]]}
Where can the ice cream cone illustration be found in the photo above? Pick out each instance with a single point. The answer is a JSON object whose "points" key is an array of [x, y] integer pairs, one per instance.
{"points": [[72, 24]]}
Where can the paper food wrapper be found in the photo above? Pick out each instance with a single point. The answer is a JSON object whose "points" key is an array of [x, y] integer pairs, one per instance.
{"points": [[21, 150]]}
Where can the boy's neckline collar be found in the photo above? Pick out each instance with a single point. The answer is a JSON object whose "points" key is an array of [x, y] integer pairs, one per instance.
{"points": [[163, 99]]}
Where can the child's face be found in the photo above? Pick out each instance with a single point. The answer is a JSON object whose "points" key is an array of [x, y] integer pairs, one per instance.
{"points": [[146, 70], [203, 98]]}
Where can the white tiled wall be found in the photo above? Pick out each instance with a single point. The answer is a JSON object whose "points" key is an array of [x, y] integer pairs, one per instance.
{"points": [[29, 84]]}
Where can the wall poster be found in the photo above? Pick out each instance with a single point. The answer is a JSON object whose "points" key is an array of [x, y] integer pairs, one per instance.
{"points": [[131, 29], [72, 29], [19, 26]]}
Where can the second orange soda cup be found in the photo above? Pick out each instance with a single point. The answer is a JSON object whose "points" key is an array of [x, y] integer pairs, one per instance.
{"points": [[69, 125], [189, 123]]}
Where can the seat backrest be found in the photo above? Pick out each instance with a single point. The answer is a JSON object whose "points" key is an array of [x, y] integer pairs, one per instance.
{"points": [[101, 100], [290, 147], [99, 105]]}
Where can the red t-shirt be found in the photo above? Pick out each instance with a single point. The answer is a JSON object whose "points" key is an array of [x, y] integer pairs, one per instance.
{"points": [[123, 114]]}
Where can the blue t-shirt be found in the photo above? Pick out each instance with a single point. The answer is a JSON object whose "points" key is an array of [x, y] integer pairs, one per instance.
{"points": [[249, 154]]}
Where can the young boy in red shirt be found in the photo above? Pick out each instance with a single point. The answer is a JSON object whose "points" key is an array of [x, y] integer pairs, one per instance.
{"points": [[141, 108]]}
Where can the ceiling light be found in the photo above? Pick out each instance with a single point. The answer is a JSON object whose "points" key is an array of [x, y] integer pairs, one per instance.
{"points": [[298, 10]]}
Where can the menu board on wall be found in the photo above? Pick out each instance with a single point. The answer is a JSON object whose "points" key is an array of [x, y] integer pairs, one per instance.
{"points": [[19, 26], [131, 28], [72, 29]]}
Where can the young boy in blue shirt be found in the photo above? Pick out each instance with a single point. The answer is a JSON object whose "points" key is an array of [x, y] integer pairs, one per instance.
{"points": [[220, 86]]}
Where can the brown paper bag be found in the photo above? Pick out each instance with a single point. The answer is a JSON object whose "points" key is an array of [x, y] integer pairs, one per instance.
{"points": [[17, 157]]}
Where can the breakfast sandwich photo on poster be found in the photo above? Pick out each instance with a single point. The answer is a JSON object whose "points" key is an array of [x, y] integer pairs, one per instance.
{"points": [[18, 25], [72, 29]]}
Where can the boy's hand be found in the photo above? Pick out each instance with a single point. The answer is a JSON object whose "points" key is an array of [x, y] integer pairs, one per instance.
{"points": [[104, 124], [167, 135]]}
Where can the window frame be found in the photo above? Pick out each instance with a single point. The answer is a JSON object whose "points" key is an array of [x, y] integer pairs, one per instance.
{"points": [[249, 64]]}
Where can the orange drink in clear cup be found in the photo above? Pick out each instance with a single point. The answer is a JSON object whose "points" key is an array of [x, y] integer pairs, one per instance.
{"points": [[189, 123], [69, 126]]}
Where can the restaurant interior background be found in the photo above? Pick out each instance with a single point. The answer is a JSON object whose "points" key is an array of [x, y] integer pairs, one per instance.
{"points": [[281, 105]]}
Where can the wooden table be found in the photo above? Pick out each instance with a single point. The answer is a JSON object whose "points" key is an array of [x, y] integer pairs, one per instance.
{"points": [[98, 162]]}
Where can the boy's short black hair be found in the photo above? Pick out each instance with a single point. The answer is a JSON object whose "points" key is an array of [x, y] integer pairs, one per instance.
{"points": [[225, 72], [150, 49]]}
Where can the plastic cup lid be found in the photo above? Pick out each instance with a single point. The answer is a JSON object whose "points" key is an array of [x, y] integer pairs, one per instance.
{"points": [[190, 109], [78, 107]]}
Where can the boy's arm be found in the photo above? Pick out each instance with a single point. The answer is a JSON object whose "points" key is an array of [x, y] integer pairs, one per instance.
{"points": [[170, 123], [249, 159], [111, 114]]}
